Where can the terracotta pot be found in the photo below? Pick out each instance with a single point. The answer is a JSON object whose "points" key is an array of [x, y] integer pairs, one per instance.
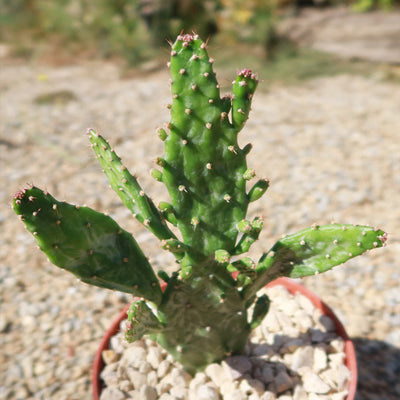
{"points": [[292, 287]]}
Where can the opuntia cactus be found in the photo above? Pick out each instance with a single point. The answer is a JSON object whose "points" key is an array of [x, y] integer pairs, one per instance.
{"points": [[202, 315]]}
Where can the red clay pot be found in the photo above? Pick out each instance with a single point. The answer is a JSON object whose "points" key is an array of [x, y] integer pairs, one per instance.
{"points": [[292, 287]]}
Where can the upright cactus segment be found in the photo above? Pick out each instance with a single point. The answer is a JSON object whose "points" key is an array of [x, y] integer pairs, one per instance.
{"points": [[203, 166], [202, 315]]}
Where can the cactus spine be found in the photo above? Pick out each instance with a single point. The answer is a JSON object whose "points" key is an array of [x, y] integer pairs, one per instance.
{"points": [[201, 316]]}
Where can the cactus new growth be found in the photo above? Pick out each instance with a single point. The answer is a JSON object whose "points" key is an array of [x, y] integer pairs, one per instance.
{"points": [[202, 314]]}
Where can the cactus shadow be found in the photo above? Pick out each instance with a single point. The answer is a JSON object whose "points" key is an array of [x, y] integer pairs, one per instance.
{"points": [[378, 370]]}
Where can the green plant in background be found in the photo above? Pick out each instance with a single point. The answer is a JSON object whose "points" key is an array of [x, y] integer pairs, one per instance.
{"points": [[368, 5], [202, 315]]}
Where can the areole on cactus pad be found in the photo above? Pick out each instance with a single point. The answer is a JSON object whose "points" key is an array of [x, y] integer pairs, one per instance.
{"points": [[202, 316]]}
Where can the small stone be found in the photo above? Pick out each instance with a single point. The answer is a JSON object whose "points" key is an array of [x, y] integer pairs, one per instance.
{"points": [[326, 324], [116, 345], [305, 303], [180, 393], [236, 366], [206, 392], [302, 320], [249, 386], [109, 356], [163, 387], [235, 395], [180, 377], [144, 367], [152, 379], [291, 345], [110, 378], [267, 373], [125, 386], [317, 336], [314, 384], [337, 345], [262, 349], [289, 307], [133, 356], [320, 359], [154, 356], [163, 368], [216, 373], [340, 395], [271, 323], [112, 393], [166, 396], [148, 393], [137, 379], [302, 357], [268, 396], [199, 379], [300, 393], [228, 387], [283, 382], [336, 359]]}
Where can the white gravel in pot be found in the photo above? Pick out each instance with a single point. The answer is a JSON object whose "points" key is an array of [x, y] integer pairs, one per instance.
{"points": [[295, 354]]}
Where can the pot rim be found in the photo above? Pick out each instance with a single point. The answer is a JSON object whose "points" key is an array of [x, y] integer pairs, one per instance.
{"points": [[293, 287]]}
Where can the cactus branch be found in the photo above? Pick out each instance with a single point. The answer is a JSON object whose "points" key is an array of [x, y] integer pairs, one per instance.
{"points": [[87, 243], [312, 251], [128, 189]]}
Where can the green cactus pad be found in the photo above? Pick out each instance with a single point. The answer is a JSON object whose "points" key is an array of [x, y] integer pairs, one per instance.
{"points": [[89, 244], [128, 188], [203, 166], [314, 250]]}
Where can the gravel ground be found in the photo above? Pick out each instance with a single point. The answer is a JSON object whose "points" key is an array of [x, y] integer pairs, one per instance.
{"points": [[330, 147]]}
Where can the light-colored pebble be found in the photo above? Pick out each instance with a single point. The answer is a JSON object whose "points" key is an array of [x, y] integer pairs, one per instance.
{"points": [[314, 384]]}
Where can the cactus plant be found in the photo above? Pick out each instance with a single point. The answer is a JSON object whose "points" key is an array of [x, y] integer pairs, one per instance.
{"points": [[202, 315]]}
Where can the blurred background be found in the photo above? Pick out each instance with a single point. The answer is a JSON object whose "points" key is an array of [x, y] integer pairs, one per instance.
{"points": [[135, 32]]}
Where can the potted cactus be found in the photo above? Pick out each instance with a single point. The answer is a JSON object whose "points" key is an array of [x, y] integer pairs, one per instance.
{"points": [[202, 314]]}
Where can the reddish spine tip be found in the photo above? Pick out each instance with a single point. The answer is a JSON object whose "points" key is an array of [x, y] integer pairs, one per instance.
{"points": [[20, 194], [246, 73]]}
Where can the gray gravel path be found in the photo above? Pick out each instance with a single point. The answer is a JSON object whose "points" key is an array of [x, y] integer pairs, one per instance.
{"points": [[330, 147]]}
